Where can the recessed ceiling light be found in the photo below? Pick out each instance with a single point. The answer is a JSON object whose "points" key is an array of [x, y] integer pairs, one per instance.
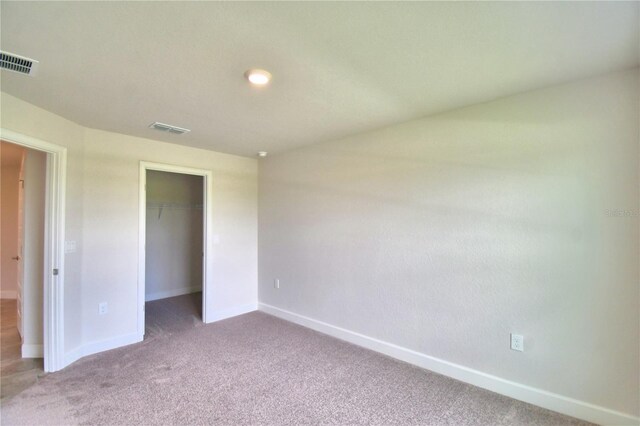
{"points": [[262, 153], [258, 77]]}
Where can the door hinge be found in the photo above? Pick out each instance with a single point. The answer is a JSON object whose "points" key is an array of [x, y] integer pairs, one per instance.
{"points": [[55, 271]]}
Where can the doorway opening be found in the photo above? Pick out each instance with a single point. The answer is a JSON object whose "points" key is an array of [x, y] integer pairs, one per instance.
{"points": [[174, 228], [22, 223], [54, 231], [174, 248]]}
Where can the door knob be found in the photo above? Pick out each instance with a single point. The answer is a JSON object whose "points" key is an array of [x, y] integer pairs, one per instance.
{"points": [[16, 258]]}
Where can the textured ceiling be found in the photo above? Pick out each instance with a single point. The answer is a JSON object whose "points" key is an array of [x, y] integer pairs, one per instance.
{"points": [[339, 68]]}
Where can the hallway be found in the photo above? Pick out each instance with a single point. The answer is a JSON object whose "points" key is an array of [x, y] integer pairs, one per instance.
{"points": [[16, 373]]}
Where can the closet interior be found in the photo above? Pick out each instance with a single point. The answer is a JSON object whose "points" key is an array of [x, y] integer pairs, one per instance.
{"points": [[174, 242]]}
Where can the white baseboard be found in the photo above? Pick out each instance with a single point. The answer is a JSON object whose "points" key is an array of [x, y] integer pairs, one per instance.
{"points": [[561, 404], [8, 294], [128, 339], [171, 293], [100, 346], [32, 351], [231, 312], [72, 356]]}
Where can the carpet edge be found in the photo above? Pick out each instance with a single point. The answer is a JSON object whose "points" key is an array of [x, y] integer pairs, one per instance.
{"points": [[549, 400]]}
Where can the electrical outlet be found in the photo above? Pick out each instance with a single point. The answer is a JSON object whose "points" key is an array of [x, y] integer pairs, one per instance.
{"points": [[70, 247], [517, 342], [103, 308], [276, 283]]}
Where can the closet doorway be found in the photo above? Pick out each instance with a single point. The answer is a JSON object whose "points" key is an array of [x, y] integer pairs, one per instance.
{"points": [[174, 225]]}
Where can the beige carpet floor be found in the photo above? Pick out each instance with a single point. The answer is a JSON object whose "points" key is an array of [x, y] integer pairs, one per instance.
{"points": [[252, 370]]}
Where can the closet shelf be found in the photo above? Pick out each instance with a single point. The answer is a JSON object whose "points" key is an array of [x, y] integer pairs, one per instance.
{"points": [[172, 206]]}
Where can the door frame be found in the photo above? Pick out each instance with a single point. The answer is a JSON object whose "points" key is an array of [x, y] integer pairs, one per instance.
{"points": [[54, 231], [207, 214], [20, 265]]}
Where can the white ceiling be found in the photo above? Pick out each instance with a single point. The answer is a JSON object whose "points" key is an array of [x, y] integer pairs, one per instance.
{"points": [[339, 68]]}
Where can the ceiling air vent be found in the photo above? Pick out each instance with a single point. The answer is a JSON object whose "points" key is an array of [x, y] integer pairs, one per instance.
{"points": [[168, 128], [17, 63]]}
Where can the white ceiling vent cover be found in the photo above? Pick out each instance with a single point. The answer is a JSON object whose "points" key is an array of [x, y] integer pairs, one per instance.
{"points": [[168, 128], [17, 63]]}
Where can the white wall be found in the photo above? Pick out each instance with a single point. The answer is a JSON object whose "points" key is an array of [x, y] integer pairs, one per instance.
{"points": [[111, 168], [35, 166], [9, 239], [444, 235], [102, 217], [24, 118], [174, 239]]}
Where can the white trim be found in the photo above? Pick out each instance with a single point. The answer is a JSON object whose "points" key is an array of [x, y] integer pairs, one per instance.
{"points": [[54, 229], [233, 312], [100, 346], [207, 260], [32, 351], [8, 294], [552, 401], [129, 339], [73, 355], [171, 293], [108, 344]]}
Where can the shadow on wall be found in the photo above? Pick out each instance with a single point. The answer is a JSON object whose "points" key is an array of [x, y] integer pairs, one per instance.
{"points": [[446, 234]]}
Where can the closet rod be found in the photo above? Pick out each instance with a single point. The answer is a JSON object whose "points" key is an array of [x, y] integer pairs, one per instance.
{"points": [[172, 206]]}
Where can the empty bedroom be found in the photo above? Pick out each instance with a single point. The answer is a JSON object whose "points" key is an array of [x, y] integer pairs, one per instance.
{"points": [[315, 213]]}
